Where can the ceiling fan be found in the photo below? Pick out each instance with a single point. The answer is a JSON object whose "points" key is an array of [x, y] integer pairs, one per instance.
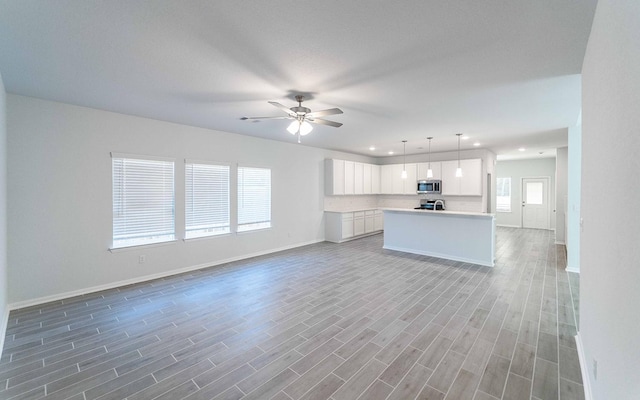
{"points": [[301, 117]]}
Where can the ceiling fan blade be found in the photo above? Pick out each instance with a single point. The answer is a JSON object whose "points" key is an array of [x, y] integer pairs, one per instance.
{"points": [[245, 118], [283, 108], [322, 113], [324, 122]]}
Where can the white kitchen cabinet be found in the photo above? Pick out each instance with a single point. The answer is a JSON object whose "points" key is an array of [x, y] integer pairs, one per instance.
{"points": [[386, 178], [470, 184], [436, 168], [369, 221], [375, 179], [349, 177], [333, 177], [347, 225], [366, 179], [392, 182], [358, 178], [378, 220], [343, 226], [358, 223], [409, 184]]}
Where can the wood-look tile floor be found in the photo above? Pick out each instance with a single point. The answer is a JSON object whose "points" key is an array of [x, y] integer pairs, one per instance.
{"points": [[324, 321]]}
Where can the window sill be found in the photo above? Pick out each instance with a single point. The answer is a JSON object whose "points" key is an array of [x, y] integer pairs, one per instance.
{"points": [[195, 239], [140, 246]]}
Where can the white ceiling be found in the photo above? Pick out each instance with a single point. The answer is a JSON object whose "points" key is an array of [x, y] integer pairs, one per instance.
{"points": [[505, 73]]}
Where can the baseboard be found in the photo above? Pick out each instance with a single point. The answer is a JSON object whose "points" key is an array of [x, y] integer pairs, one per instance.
{"points": [[572, 269], [583, 368], [560, 242], [508, 226], [439, 255], [80, 292], [4, 323]]}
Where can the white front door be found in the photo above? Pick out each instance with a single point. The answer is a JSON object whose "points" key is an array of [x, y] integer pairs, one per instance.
{"points": [[535, 203]]}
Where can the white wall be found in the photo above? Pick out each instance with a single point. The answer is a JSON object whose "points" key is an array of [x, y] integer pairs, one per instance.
{"points": [[562, 161], [573, 195], [518, 169], [4, 299], [610, 242], [59, 196]]}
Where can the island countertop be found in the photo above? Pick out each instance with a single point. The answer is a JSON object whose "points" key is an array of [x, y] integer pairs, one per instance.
{"points": [[439, 212]]}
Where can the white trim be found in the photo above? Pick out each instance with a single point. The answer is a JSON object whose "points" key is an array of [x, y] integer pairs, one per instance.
{"points": [[509, 226], [583, 368], [559, 242], [74, 293], [138, 246], [4, 323], [572, 269]]}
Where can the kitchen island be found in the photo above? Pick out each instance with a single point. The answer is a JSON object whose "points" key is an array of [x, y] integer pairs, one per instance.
{"points": [[453, 235]]}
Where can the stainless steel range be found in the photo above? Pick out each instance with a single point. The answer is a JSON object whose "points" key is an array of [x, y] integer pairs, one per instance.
{"points": [[431, 204]]}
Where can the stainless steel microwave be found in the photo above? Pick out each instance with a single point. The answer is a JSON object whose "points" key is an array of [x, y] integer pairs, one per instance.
{"points": [[433, 186]]}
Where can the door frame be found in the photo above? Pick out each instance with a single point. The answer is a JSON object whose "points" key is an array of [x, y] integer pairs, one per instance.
{"points": [[549, 208]]}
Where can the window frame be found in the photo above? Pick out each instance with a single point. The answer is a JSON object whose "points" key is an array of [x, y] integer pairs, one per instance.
{"points": [[507, 209], [238, 225], [186, 208], [123, 244]]}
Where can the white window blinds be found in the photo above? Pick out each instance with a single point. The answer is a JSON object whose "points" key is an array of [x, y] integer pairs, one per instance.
{"points": [[254, 198], [143, 201], [206, 200]]}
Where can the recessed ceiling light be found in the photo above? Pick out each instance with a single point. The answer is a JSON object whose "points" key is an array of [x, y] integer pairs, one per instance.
{"points": [[372, 148], [476, 144], [521, 149], [391, 152], [464, 137]]}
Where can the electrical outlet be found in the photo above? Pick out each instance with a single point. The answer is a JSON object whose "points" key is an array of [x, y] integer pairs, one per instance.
{"points": [[595, 369], [142, 259]]}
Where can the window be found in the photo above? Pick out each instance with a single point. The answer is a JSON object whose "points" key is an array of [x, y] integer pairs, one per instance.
{"points": [[206, 200], [143, 201], [503, 195], [254, 198]]}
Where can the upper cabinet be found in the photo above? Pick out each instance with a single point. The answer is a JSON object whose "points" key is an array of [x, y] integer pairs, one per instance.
{"points": [[375, 179], [334, 177], [350, 178], [355, 178], [436, 169], [470, 184], [392, 182]]}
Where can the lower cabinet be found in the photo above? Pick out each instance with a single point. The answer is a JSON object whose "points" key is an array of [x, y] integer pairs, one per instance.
{"points": [[343, 226]]}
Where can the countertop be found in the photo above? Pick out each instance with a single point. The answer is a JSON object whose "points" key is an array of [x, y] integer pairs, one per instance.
{"points": [[347, 210], [440, 212]]}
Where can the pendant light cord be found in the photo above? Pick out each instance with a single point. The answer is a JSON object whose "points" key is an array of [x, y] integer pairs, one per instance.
{"points": [[404, 156]]}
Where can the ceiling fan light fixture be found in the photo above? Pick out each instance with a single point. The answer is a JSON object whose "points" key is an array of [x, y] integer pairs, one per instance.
{"points": [[293, 127], [305, 128]]}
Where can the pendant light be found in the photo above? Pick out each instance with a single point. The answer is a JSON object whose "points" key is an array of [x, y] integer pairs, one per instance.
{"points": [[458, 170], [404, 166], [429, 170]]}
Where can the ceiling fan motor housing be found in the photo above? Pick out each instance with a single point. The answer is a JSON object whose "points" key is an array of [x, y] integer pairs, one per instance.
{"points": [[301, 110]]}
